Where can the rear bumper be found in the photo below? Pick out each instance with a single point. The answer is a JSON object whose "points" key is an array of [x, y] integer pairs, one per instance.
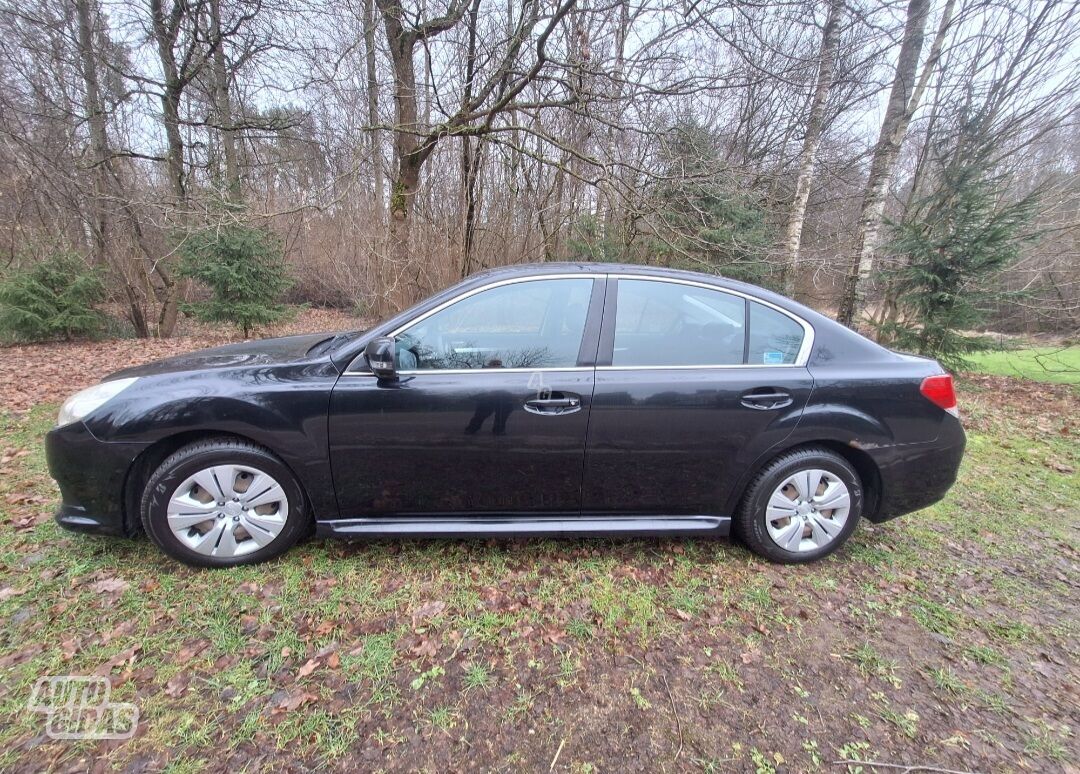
{"points": [[914, 476], [91, 475]]}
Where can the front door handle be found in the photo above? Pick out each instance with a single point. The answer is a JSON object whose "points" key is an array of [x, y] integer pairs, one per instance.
{"points": [[557, 403], [766, 398]]}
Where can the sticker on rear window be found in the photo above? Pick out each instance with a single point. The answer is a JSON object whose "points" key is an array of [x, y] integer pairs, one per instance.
{"points": [[773, 358]]}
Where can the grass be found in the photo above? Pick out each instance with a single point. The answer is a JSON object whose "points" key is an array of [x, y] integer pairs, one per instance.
{"points": [[642, 645], [1042, 364]]}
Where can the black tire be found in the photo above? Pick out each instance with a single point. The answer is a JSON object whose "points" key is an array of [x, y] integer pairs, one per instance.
{"points": [[750, 522], [194, 457]]}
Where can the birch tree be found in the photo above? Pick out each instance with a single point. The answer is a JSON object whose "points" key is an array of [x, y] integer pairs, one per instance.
{"points": [[815, 121], [904, 96]]}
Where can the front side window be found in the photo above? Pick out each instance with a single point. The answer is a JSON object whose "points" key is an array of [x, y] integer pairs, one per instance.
{"points": [[669, 324], [531, 324]]}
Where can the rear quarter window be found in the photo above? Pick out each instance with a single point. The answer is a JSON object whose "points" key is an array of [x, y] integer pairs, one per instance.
{"points": [[775, 338]]}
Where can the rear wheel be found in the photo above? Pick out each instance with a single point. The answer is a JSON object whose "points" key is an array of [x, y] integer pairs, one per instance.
{"points": [[223, 502], [802, 506]]}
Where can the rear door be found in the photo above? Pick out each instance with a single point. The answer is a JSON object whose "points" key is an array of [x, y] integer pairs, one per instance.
{"points": [[490, 410], [693, 384]]}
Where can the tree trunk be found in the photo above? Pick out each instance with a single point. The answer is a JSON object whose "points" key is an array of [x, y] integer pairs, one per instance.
{"points": [[107, 184], [378, 178], [830, 41], [99, 140], [174, 154], [889, 312], [903, 101], [470, 157], [223, 106], [402, 202], [164, 32], [406, 130], [164, 37]]}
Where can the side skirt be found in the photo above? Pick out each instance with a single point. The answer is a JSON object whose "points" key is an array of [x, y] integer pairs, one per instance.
{"points": [[523, 526]]}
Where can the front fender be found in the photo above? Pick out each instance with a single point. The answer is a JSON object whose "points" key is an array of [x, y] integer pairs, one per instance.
{"points": [[282, 408]]}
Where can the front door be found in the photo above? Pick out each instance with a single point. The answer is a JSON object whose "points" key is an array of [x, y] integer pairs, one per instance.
{"points": [[694, 385], [489, 412]]}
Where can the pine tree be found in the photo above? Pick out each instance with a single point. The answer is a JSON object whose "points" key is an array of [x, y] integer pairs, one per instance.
{"points": [[706, 221], [52, 299], [952, 248], [245, 269]]}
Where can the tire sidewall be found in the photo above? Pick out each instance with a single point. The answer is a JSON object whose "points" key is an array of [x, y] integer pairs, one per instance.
{"points": [[754, 520], [174, 471]]}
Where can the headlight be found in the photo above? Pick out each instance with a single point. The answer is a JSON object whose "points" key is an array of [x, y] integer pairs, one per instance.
{"points": [[83, 402]]}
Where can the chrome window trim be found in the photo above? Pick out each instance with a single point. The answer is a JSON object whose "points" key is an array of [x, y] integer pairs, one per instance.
{"points": [[467, 294], [697, 367], [489, 370], [801, 358]]}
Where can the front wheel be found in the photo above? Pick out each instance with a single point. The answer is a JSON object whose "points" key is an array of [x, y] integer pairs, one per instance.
{"points": [[223, 502], [802, 506]]}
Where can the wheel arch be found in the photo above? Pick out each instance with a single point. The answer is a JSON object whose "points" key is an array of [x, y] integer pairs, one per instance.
{"points": [[864, 465], [151, 457]]}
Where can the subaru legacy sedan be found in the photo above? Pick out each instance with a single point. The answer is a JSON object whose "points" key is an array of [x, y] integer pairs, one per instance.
{"points": [[553, 399]]}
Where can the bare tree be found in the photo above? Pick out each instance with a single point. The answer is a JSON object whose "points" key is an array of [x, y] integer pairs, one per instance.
{"points": [[223, 103], [472, 115], [907, 91], [815, 121]]}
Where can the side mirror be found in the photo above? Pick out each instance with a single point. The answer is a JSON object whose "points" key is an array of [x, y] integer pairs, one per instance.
{"points": [[380, 357]]}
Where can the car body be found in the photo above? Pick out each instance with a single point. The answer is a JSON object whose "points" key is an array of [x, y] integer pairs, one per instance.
{"points": [[533, 399]]}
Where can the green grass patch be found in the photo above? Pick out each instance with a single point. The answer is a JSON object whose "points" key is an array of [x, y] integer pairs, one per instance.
{"points": [[1042, 364]]}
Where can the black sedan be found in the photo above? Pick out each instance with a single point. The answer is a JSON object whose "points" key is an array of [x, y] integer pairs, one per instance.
{"points": [[554, 399]]}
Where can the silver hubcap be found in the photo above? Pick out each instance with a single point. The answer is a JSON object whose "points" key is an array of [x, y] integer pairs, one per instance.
{"points": [[228, 510], [808, 510]]}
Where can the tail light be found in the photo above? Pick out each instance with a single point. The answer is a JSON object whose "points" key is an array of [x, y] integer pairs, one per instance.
{"points": [[939, 391]]}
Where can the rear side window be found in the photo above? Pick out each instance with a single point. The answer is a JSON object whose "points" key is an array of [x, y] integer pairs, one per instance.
{"points": [[670, 324], [775, 339]]}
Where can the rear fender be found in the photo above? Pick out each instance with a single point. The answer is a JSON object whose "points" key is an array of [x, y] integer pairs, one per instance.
{"points": [[831, 422]]}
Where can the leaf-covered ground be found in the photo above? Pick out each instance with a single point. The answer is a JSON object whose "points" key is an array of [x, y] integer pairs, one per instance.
{"points": [[949, 637]]}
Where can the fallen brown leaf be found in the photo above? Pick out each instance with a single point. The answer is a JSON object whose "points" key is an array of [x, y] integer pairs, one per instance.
{"points": [[427, 647], [307, 668], [177, 685], [296, 700], [109, 585], [427, 611]]}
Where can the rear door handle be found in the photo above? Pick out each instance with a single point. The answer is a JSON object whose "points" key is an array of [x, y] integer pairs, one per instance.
{"points": [[766, 398], [558, 403]]}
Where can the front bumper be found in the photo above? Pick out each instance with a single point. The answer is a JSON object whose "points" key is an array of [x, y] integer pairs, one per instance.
{"points": [[914, 476], [91, 476]]}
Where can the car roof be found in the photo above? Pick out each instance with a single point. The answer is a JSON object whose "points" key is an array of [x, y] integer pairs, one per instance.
{"points": [[572, 267]]}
